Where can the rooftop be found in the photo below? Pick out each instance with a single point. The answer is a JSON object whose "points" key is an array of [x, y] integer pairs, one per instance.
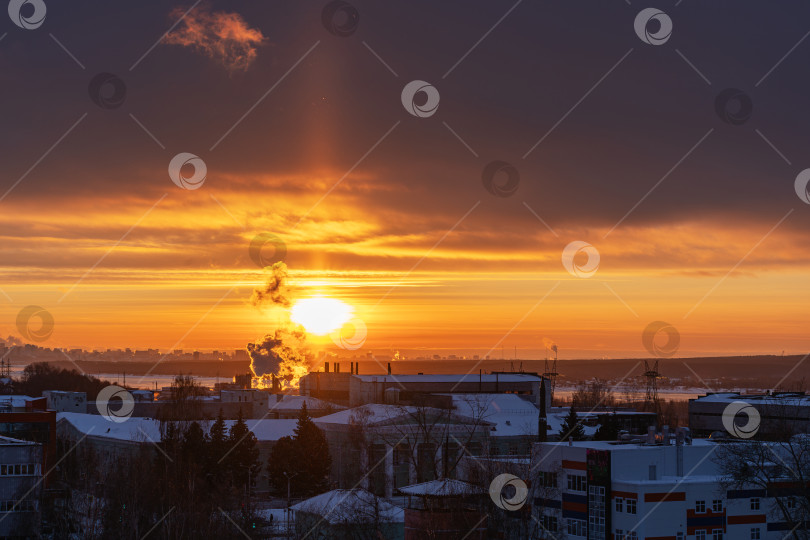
{"points": [[468, 378], [619, 445], [355, 505], [442, 488], [139, 429], [512, 415], [777, 398]]}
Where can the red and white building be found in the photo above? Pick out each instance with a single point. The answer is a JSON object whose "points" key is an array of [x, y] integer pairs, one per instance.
{"points": [[664, 489]]}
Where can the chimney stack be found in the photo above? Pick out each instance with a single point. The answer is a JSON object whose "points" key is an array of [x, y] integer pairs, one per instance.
{"points": [[337, 367], [326, 367], [357, 368], [665, 433], [651, 435], [389, 368]]}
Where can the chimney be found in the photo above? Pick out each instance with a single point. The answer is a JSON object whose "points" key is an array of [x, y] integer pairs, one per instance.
{"points": [[357, 368], [326, 367], [665, 434], [651, 435], [389, 368], [337, 367], [351, 368]]}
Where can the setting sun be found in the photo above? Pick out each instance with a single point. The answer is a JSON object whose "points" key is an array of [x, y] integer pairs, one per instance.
{"points": [[320, 315]]}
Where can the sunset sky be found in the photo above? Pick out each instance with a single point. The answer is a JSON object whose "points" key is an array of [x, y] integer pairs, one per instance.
{"points": [[387, 211]]}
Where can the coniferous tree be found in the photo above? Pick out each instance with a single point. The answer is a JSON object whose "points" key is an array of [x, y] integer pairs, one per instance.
{"points": [[571, 427], [243, 459], [305, 459]]}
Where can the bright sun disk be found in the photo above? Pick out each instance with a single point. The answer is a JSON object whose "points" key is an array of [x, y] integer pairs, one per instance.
{"points": [[320, 315]]}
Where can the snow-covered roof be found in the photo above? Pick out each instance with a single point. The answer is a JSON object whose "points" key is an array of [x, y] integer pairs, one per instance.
{"points": [[635, 446], [138, 429], [442, 488], [292, 402], [17, 401], [556, 419], [376, 413], [351, 505], [512, 415], [442, 378], [781, 398]]}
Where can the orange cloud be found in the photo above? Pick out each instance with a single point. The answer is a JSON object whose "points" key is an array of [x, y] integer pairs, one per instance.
{"points": [[224, 37]]}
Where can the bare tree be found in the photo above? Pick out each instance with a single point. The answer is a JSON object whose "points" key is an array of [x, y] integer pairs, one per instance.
{"points": [[780, 469]]}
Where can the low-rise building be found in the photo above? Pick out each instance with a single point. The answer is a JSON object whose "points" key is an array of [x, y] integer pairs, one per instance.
{"points": [[781, 414], [61, 401], [384, 447], [348, 513]]}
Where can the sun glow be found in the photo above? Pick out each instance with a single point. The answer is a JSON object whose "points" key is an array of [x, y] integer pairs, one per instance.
{"points": [[320, 315]]}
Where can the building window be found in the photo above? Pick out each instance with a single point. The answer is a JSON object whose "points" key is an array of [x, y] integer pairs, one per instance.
{"points": [[632, 535], [700, 535], [577, 527], [597, 508], [755, 503], [619, 534], [548, 479], [700, 506], [576, 482], [717, 505], [717, 535], [790, 503], [679, 536], [549, 523], [631, 506], [755, 533], [619, 504]]}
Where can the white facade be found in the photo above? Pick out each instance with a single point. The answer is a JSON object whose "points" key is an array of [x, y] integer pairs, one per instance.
{"points": [[623, 491]]}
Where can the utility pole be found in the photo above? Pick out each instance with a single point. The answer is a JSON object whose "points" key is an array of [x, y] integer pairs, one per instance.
{"points": [[289, 477]]}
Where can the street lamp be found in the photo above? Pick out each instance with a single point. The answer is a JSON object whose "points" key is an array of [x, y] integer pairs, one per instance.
{"points": [[289, 477]]}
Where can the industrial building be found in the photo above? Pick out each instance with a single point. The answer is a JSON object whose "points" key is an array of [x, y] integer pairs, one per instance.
{"points": [[781, 414], [353, 389]]}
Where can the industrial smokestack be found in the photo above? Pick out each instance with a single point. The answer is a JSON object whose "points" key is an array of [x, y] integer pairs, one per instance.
{"points": [[337, 367], [357, 368], [351, 368], [326, 367]]}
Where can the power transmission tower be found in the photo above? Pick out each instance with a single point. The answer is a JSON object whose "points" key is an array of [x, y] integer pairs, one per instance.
{"points": [[652, 374]]}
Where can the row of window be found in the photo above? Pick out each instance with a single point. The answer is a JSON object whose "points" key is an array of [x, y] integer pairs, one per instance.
{"points": [[23, 469], [631, 505], [717, 506], [17, 506], [629, 535]]}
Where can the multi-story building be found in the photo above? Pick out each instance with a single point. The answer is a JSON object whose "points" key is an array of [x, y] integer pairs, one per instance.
{"points": [[20, 486], [661, 489]]}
